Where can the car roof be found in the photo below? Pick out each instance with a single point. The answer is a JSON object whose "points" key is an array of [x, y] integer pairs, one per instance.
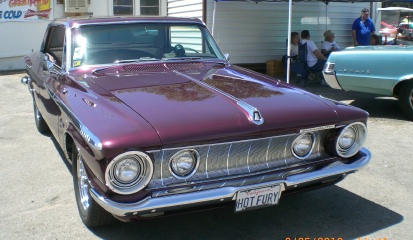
{"points": [[89, 20], [401, 9]]}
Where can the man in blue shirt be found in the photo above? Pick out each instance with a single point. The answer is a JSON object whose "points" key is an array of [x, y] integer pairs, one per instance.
{"points": [[362, 29]]}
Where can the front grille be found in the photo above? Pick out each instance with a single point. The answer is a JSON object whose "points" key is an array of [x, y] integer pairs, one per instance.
{"points": [[232, 159]]}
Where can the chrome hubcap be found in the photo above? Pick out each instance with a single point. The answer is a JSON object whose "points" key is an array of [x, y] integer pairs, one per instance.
{"points": [[83, 184], [37, 114]]}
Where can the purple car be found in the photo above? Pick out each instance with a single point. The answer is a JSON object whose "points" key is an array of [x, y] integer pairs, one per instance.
{"points": [[156, 121]]}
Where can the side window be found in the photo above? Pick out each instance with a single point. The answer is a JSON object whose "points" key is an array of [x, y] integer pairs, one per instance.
{"points": [[55, 43]]}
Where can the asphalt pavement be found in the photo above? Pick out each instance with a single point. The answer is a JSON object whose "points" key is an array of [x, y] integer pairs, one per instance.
{"points": [[38, 202]]}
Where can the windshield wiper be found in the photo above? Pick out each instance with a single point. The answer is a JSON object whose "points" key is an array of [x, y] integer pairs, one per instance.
{"points": [[144, 59]]}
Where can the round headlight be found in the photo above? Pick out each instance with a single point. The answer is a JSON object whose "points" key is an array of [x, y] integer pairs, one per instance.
{"points": [[129, 172], [351, 139], [348, 138], [184, 163], [302, 145]]}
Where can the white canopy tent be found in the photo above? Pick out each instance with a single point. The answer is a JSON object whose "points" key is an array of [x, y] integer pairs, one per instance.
{"points": [[290, 2]]}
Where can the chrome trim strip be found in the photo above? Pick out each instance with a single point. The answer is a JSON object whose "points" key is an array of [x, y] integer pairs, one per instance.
{"points": [[229, 153], [163, 158], [307, 130], [68, 47], [185, 200], [248, 158], [136, 21], [253, 113], [206, 162], [266, 154]]}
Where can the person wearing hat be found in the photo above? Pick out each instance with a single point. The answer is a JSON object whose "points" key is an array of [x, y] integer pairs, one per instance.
{"points": [[329, 45], [362, 28]]}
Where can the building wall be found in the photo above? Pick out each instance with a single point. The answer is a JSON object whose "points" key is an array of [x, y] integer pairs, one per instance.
{"points": [[185, 8], [249, 32], [255, 33], [19, 38]]}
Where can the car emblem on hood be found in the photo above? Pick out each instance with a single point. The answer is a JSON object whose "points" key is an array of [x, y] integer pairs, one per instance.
{"points": [[254, 114]]}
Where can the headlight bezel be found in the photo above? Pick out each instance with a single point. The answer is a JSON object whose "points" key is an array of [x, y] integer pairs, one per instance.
{"points": [[143, 175], [360, 131], [310, 147], [194, 168]]}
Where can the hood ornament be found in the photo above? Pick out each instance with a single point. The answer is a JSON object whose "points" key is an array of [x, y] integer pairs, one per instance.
{"points": [[254, 114]]}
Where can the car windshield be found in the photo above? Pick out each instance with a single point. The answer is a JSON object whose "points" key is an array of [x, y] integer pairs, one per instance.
{"points": [[126, 43]]}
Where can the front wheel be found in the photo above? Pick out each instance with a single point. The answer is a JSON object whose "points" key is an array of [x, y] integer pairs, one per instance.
{"points": [[41, 124], [90, 212], [406, 99]]}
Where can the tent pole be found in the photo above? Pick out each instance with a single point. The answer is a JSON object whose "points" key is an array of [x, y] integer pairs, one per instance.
{"points": [[326, 16], [213, 18], [290, 3]]}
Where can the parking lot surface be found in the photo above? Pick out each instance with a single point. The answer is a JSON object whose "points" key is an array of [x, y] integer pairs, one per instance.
{"points": [[38, 202]]}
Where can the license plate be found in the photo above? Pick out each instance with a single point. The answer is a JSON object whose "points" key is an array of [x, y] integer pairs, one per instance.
{"points": [[255, 198]]}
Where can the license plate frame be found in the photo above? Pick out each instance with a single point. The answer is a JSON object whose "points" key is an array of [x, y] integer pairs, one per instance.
{"points": [[257, 198]]}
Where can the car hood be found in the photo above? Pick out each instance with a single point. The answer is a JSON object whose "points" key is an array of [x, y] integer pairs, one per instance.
{"points": [[200, 102]]}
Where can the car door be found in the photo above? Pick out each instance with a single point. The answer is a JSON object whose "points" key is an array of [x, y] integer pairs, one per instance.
{"points": [[49, 83]]}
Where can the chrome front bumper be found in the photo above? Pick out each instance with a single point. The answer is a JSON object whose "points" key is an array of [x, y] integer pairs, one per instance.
{"points": [[155, 205]]}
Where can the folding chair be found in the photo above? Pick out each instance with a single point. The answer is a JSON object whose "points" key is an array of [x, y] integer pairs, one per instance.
{"points": [[300, 68]]}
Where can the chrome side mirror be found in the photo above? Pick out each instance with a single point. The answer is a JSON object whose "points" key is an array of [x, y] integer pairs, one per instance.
{"points": [[226, 55]]}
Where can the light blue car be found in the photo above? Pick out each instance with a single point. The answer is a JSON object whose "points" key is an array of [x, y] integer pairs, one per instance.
{"points": [[382, 70]]}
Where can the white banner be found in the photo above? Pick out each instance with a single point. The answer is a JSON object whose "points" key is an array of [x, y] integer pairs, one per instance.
{"points": [[24, 10]]}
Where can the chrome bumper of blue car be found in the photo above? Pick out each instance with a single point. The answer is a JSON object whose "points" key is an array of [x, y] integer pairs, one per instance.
{"points": [[155, 205], [331, 79]]}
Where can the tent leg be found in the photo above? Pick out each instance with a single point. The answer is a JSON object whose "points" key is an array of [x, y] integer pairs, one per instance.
{"points": [[213, 18], [290, 3]]}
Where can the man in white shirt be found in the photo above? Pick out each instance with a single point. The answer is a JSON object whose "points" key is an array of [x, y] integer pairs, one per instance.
{"points": [[315, 59], [329, 45]]}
